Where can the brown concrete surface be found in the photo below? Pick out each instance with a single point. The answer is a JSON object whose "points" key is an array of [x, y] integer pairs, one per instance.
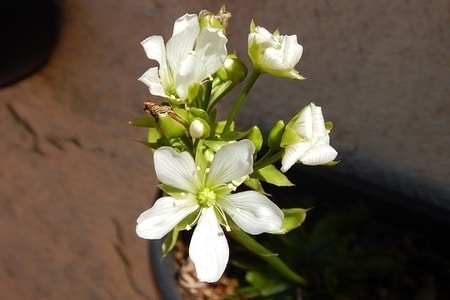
{"points": [[73, 180]]}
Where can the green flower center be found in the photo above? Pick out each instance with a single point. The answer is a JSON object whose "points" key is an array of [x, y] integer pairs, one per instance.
{"points": [[206, 197]]}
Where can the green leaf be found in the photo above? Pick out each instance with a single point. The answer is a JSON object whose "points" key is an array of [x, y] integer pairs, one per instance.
{"points": [[266, 283], [273, 176], [293, 218]]}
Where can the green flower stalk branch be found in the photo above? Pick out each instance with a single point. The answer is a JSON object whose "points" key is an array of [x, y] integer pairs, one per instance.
{"points": [[211, 173]]}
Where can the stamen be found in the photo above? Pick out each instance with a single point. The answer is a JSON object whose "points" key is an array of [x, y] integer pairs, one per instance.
{"points": [[189, 226], [224, 217]]}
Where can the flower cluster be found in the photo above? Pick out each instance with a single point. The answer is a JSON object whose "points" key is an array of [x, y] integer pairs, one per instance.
{"points": [[201, 161]]}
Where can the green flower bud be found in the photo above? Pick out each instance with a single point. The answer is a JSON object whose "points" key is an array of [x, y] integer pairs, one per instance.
{"points": [[170, 127], [275, 135], [199, 128], [256, 137], [234, 69]]}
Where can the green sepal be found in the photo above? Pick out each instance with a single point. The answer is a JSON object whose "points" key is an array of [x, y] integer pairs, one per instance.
{"points": [[293, 218], [235, 135], [153, 146], [171, 238], [254, 184], [220, 126], [154, 136], [169, 242], [148, 122], [195, 112], [214, 145], [275, 135], [170, 190], [290, 136], [272, 175], [194, 90], [202, 156]]}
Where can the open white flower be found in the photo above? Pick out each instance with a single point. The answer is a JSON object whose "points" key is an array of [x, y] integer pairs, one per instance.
{"points": [[306, 140], [274, 53], [207, 193], [190, 56]]}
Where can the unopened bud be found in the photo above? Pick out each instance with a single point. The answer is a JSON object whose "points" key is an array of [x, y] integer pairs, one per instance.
{"points": [[199, 128], [233, 69]]}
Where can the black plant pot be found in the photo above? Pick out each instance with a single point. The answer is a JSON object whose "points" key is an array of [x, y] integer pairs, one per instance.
{"points": [[28, 32], [428, 226], [163, 271]]}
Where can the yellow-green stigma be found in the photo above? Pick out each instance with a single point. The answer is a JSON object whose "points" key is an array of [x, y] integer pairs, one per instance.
{"points": [[206, 197]]}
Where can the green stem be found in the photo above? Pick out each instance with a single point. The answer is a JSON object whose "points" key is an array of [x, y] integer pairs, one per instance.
{"points": [[216, 100], [255, 247], [237, 105], [207, 95], [268, 159]]}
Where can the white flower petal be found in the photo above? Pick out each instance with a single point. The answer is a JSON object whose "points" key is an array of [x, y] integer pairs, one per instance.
{"points": [[231, 162], [318, 123], [292, 154], [321, 153], [303, 124], [176, 169], [253, 212], [154, 49], [209, 248], [187, 22], [292, 51], [191, 69], [163, 216], [186, 30], [151, 79], [211, 48]]}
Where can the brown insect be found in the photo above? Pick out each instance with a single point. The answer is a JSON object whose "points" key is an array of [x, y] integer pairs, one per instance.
{"points": [[156, 109]]}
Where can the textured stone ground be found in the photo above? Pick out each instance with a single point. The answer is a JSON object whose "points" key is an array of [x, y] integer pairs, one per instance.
{"points": [[73, 181]]}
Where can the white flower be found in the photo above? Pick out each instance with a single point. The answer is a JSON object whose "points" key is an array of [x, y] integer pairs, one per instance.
{"points": [[190, 56], [207, 194], [274, 53], [306, 139]]}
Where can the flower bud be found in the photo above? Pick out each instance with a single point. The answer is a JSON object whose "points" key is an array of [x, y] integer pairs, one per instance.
{"points": [[273, 53], [170, 127], [256, 137], [199, 128], [233, 69], [275, 135]]}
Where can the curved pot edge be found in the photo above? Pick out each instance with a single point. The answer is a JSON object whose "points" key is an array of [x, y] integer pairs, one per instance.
{"points": [[163, 272]]}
